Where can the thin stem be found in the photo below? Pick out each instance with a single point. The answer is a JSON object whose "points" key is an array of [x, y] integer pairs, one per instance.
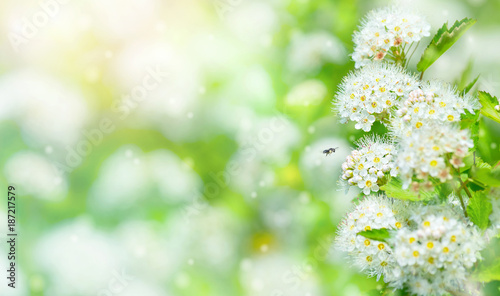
{"points": [[464, 186], [462, 183], [422, 75]]}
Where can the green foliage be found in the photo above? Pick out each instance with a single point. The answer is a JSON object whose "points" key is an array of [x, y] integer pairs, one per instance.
{"points": [[486, 176], [394, 189], [479, 209], [489, 102], [376, 234], [442, 41], [471, 122], [469, 86], [488, 273]]}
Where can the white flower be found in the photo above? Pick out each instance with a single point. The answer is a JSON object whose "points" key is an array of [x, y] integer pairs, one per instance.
{"points": [[308, 52], [372, 91], [366, 167], [434, 102], [384, 29], [373, 212], [423, 153], [309, 92], [435, 252]]}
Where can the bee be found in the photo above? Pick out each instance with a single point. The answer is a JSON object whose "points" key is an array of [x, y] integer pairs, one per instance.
{"points": [[329, 151]]}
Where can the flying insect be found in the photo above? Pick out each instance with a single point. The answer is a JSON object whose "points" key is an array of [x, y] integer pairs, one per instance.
{"points": [[330, 151]]}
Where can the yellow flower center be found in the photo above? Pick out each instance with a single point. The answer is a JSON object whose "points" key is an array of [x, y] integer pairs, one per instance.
{"points": [[431, 260], [432, 111], [427, 223], [446, 250], [410, 34], [383, 263], [377, 34], [397, 28], [442, 104], [367, 242], [434, 163], [416, 110], [398, 225], [363, 98], [381, 247], [419, 124], [412, 240], [382, 89], [374, 104], [366, 86], [360, 166], [435, 148], [369, 258], [352, 96], [453, 238], [376, 160], [379, 215], [416, 254], [368, 228], [388, 103], [368, 183], [430, 245], [450, 117]]}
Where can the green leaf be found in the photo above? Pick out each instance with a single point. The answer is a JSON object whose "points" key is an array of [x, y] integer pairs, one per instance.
{"points": [[489, 102], [471, 122], [442, 41], [479, 209], [469, 86], [485, 176], [376, 234], [488, 273], [469, 162], [394, 189]]}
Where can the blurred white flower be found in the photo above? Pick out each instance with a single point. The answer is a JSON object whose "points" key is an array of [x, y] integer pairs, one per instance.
{"points": [[35, 175], [309, 52], [47, 111], [118, 20], [254, 22], [319, 171], [309, 92], [270, 139], [152, 251], [77, 258], [275, 274], [128, 174], [252, 87]]}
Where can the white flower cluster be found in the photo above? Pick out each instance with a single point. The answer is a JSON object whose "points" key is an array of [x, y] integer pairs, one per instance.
{"points": [[430, 252], [366, 167], [431, 247], [374, 212], [384, 29], [433, 102], [434, 256], [369, 93], [425, 152]]}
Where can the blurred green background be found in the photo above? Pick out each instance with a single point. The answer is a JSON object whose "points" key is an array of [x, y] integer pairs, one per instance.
{"points": [[175, 147]]}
